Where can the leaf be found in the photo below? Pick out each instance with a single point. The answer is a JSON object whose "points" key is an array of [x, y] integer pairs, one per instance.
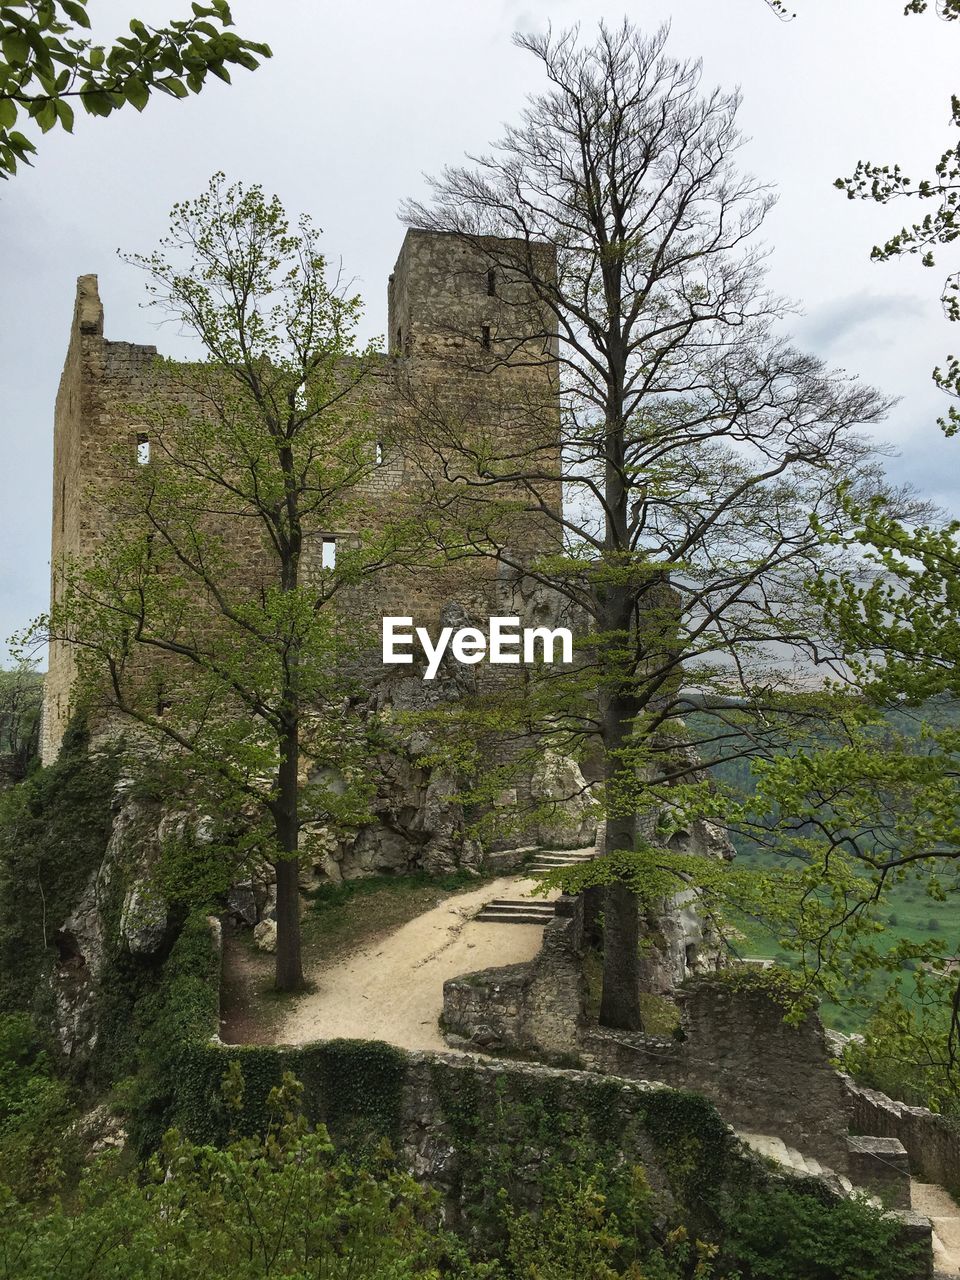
{"points": [[8, 113], [65, 115], [16, 48], [96, 103], [76, 10], [46, 117], [176, 88], [136, 93]]}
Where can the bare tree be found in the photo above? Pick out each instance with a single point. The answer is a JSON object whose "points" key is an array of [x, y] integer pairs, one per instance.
{"points": [[702, 456]]}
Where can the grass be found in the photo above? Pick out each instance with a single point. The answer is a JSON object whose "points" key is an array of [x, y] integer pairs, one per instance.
{"points": [[908, 913]]}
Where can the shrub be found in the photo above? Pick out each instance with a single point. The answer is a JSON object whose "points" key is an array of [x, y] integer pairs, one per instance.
{"points": [[36, 1111], [780, 1234]]}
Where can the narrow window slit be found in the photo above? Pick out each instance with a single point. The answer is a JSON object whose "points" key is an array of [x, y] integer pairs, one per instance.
{"points": [[485, 337], [491, 284], [143, 449], [328, 553]]}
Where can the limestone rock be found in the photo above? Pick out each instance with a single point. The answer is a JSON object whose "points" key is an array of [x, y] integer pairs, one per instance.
{"points": [[265, 935], [242, 903], [143, 919], [100, 1130], [569, 812]]}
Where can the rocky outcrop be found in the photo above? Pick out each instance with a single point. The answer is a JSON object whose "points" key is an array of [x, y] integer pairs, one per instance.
{"points": [[418, 819], [120, 912], [566, 808], [679, 940]]}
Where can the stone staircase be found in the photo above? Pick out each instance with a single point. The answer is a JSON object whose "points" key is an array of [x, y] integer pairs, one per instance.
{"points": [[775, 1149], [516, 911], [549, 861], [532, 910]]}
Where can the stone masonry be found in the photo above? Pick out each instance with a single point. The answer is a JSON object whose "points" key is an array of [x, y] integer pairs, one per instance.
{"points": [[449, 352]]}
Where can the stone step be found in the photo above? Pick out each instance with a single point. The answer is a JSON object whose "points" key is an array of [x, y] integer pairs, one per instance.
{"points": [[526, 908], [774, 1148], [537, 868], [511, 918], [515, 913], [520, 904]]}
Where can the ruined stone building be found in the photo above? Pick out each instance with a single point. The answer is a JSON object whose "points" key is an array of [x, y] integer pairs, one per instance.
{"points": [[458, 351], [446, 316]]}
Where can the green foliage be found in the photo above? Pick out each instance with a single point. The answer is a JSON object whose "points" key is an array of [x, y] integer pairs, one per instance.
{"points": [[778, 1234], [886, 183], [164, 1023], [21, 699], [54, 829], [784, 986], [353, 1087], [907, 1046], [46, 61], [558, 1125], [218, 634], [577, 1234], [37, 1153], [279, 1204]]}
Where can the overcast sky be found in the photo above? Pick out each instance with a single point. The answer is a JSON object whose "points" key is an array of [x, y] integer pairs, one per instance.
{"points": [[359, 101]]}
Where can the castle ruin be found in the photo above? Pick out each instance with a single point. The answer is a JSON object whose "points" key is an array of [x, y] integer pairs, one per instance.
{"points": [[452, 344]]}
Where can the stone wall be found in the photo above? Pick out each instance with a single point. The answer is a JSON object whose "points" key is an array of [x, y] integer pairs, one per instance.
{"points": [[932, 1141], [533, 1008], [439, 286], [475, 1128], [734, 1047], [766, 1076]]}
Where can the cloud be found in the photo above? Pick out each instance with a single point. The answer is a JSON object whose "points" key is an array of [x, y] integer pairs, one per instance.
{"points": [[863, 316]]}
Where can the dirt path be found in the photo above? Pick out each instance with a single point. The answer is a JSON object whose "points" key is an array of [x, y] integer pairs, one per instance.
{"points": [[393, 989]]}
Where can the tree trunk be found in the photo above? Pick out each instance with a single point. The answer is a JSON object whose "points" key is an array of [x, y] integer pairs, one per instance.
{"points": [[289, 972], [620, 1001], [592, 910], [620, 998]]}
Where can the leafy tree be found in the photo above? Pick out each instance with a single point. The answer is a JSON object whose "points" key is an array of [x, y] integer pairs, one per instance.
{"points": [[281, 1204], [893, 795], [207, 615], [702, 458], [46, 65], [37, 1148], [21, 696]]}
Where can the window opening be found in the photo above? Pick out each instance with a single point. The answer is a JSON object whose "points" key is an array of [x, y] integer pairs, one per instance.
{"points": [[143, 450], [328, 553]]}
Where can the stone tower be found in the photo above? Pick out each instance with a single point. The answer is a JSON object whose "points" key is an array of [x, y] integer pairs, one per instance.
{"points": [[456, 327]]}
